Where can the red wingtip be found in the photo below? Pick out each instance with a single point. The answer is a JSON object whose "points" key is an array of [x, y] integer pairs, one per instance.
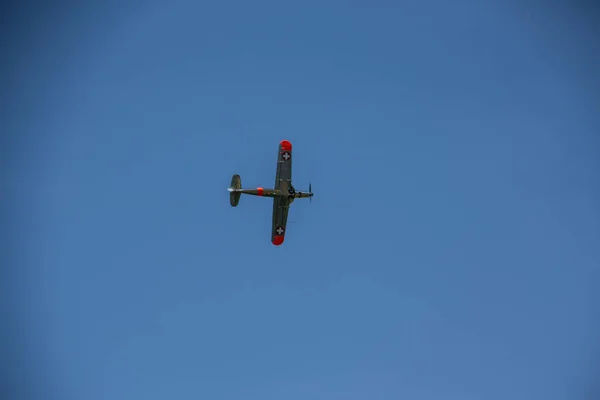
{"points": [[285, 145], [277, 240]]}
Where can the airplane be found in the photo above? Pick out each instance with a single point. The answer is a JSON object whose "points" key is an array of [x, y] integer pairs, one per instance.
{"points": [[283, 193]]}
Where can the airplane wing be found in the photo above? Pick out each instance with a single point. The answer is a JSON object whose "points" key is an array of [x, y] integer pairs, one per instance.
{"points": [[284, 164], [281, 205], [280, 216]]}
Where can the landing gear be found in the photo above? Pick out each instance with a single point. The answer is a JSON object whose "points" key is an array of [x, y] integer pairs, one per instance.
{"points": [[292, 192]]}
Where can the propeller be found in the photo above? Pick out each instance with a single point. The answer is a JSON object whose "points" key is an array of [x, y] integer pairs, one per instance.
{"points": [[310, 191]]}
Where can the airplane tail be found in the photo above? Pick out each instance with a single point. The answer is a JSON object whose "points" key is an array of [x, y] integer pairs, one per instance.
{"points": [[234, 196]]}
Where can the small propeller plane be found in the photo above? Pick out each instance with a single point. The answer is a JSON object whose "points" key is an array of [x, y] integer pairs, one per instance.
{"points": [[283, 193]]}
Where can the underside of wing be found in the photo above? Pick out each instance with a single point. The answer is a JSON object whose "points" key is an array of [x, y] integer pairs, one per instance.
{"points": [[284, 164], [280, 216]]}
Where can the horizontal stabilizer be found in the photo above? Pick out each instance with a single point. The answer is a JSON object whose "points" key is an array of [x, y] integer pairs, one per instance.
{"points": [[236, 183], [234, 198]]}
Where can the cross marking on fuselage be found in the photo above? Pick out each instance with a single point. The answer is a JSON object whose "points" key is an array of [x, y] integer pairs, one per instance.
{"points": [[279, 230], [286, 156]]}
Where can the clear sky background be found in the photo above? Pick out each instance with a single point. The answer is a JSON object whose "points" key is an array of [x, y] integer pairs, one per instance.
{"points": [[451, 250]]}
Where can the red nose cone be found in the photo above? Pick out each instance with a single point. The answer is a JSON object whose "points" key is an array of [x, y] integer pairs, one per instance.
{"points": [[277, 240], [285, 145]]}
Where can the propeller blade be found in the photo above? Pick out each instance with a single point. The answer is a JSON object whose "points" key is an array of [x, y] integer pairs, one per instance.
{"points": [[310, 191]]}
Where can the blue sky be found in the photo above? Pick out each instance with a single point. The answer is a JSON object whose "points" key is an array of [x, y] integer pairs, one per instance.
{"points": [[450, 251]]}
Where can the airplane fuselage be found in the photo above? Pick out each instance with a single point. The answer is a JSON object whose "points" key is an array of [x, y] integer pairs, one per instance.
{"points": [[287, 192]]}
